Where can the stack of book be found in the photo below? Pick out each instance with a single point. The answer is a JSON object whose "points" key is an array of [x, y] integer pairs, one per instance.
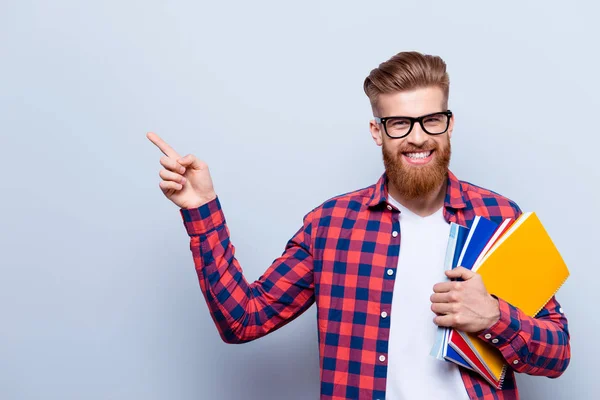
{"points": [[518, 263]]}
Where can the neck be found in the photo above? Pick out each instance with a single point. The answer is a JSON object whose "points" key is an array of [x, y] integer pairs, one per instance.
{"points": [[424, 205]]}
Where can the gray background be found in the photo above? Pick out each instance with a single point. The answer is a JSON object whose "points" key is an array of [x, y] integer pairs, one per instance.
{"points": [[98, 293]]}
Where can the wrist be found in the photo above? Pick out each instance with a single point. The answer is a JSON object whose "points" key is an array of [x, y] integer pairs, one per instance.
{"points": [[200, 201], [495, 311], [207, 198]]}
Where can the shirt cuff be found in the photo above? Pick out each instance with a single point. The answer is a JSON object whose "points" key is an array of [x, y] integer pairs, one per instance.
{"points": [[204, 219], [506, 328]]}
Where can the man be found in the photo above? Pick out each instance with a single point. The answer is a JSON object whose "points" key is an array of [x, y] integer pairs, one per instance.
{"points": [[370, 260]]}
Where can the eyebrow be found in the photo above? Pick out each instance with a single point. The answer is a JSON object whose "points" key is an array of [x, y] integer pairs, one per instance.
{"points": [[418, 116]]}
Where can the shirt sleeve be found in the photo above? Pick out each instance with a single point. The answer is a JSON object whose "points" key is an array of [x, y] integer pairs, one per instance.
{"points": [[244, 311], [535, 346]]}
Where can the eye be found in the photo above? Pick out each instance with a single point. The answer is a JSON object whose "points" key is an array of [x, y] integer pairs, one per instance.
{"points": [[398, 123], [433, 119]]}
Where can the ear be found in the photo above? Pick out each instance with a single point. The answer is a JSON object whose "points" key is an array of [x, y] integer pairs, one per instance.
{"points": [[376, 132], [451, 126]]}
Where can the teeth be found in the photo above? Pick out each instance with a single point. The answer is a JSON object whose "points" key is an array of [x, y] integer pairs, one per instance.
{"points": [[418, 155]]}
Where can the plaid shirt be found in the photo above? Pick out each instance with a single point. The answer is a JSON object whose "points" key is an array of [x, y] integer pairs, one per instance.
{"points": [[344, 258]]}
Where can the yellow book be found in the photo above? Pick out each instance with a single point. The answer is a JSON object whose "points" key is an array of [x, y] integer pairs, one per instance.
{"points": [[489, 356], [523, 268]]}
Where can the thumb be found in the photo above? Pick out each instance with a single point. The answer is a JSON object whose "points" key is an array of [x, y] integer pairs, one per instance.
{"points": [[191, 161], [460, 272]]}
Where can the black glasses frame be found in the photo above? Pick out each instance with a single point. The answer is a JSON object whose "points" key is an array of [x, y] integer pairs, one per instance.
{"points": [[420, 119]]}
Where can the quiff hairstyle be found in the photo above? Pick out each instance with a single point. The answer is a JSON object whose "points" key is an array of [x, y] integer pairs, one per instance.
{"points": [[407, 71]]}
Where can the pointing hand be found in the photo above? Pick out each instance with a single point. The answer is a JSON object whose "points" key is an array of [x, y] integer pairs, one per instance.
{"points": [[186, 180]]}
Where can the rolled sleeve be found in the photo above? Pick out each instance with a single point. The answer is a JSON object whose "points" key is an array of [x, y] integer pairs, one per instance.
{"points": [[506, 328], [204, 219]]}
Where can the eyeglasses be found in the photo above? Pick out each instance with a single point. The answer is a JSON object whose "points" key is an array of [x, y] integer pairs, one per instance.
{"points": [[399, 127]]}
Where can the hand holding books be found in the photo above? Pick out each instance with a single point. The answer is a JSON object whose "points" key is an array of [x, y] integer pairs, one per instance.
{"points": [[465, 305], [515, 261]]}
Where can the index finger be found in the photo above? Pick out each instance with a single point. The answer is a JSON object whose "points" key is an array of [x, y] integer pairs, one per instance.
{"points": [[163, 146]]}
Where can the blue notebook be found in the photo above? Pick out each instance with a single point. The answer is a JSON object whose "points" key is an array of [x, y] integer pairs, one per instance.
{"points": [[452, 355], [480, 234], [459, 237]]}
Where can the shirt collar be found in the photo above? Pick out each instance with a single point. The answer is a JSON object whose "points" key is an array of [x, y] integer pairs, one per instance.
{"points": [[454, 194]]}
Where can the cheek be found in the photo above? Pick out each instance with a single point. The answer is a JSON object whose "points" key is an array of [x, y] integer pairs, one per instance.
{"points": [[442, 142], [395, 145], [390, 148]]}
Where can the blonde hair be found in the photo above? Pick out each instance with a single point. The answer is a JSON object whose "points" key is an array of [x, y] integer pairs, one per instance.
{"points": [[407, 71]]}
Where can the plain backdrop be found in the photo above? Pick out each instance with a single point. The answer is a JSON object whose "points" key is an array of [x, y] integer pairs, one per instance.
{"points": [[98, 294]]}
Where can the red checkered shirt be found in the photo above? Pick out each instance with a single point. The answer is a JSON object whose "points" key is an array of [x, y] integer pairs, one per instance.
{"points": [[344, 259]]}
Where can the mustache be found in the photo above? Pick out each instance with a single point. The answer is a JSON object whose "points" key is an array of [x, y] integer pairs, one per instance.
{"points": [[415, 149]]}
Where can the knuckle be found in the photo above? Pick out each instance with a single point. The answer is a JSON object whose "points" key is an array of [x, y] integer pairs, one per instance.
{"points": [[457, 286], [168, 163], [456, 319]]}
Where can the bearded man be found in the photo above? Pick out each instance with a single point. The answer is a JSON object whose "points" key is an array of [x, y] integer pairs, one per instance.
{"points": [[373, 260]]}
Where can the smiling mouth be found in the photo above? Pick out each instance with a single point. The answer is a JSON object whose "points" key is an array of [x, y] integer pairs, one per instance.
{"points": [[422, 155]]}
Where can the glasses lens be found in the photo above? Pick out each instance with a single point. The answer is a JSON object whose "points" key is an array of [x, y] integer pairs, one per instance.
{"points": [[436, 123], [397, 126]]}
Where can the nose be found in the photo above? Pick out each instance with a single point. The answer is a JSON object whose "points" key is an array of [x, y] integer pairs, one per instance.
{"points": [[417, 136]]}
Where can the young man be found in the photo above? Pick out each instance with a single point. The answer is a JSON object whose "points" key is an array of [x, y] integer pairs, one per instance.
{"points": [[370, 260]]}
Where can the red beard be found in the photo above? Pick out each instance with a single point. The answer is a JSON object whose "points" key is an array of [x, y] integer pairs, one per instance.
{"points": [[414, 181]]}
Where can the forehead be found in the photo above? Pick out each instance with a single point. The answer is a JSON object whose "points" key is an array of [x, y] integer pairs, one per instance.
{"points": [[411, 103]]}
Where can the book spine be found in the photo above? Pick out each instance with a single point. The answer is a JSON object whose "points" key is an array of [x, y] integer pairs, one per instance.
{"points": [[451, 248], [502, 376], [556, 291], [469, 236], [442, 333]]}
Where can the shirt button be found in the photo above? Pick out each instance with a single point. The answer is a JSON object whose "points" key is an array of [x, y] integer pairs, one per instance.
{"points": [[560, 310], [382, 358], [383, 314], [516, 362], [389, 207], [494, 341], [395, 233], [390, 272], [488, 336]]}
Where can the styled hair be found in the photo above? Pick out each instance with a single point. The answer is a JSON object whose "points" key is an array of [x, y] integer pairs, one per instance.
{"points": [[407, 71]]}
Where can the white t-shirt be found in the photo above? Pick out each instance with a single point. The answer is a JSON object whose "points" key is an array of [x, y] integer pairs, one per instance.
{"points": [[412, 372]]}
